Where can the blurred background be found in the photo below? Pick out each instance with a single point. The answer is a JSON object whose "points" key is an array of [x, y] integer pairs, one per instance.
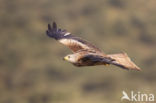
{"points": [[31, 65]]}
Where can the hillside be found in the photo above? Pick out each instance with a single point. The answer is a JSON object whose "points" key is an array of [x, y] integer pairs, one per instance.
{"points": [[31, 65]]}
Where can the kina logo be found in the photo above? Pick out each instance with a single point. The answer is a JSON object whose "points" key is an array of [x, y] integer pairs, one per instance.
{"points": [[137, 96]]}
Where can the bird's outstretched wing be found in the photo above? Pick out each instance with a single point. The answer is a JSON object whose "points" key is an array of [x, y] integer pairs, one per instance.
{"points": [[66, 38]]}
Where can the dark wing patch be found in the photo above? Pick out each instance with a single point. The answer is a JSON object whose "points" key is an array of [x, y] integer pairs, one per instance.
{"points": [[91, 59], [66, 38]]}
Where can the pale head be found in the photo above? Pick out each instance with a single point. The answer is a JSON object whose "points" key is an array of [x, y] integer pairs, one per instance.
{"points": [[71, 58]]}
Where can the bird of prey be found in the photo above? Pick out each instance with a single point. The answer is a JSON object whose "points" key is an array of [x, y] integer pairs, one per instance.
{"points": [[86, 54]]}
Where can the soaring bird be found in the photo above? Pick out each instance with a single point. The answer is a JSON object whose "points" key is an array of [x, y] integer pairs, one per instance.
{"points": [[85, 53]]}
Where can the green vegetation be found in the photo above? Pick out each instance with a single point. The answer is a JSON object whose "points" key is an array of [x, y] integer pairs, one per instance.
{"points": [[31, 65]]}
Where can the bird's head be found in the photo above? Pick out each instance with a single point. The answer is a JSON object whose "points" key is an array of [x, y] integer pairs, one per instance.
{"points": [[71, 58]]}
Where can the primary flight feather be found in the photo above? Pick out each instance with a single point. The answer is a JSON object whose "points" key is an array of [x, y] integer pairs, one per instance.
{"points": [[85, 53]]}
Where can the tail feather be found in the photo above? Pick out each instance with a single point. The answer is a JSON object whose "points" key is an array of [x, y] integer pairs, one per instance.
{"points": [[122, 60]]}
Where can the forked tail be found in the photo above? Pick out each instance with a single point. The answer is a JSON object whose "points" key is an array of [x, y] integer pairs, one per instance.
{"points": [[122, 60]]}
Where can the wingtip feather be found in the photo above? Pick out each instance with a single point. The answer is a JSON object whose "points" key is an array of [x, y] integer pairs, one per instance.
{"points": [[54, 25], [49, 27]]}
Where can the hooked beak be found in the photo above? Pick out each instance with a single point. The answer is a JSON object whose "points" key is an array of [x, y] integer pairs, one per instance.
{"points": [[65, 58]]}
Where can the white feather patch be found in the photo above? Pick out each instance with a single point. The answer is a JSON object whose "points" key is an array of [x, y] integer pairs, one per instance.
{"points": [[67, 34]]}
